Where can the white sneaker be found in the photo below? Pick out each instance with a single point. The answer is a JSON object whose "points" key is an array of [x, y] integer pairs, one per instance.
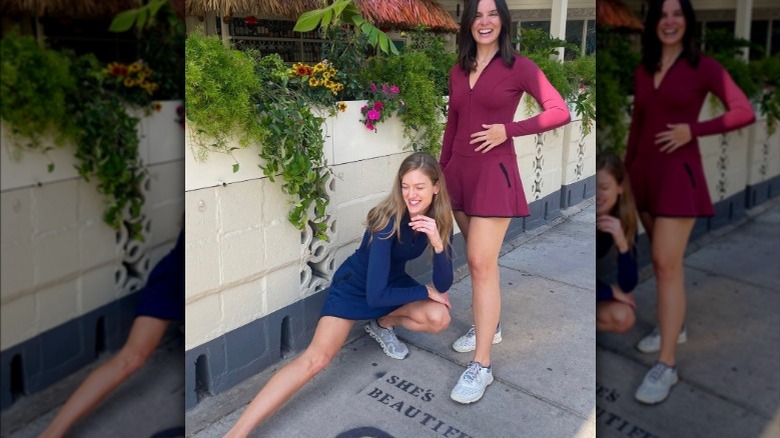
{"points": [[652, 342], [657, 383], [387, 340], [468, 342], [472, 383]]}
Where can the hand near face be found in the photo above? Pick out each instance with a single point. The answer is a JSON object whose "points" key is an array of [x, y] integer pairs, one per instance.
{"points": [[611, 224], [428, 226], [492, 136], [676, 136]]}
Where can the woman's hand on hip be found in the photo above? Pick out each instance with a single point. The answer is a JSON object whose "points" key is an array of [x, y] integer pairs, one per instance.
{"points": [[428, 226], [676, 136], [439, 297], [492, 136]]}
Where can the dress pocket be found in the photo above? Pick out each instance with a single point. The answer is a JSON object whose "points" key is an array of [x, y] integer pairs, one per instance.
{"points": [[690, 174], [506, 174]]}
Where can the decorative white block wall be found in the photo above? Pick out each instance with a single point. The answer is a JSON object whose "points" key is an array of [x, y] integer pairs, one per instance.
{"points": [[59, 260]]}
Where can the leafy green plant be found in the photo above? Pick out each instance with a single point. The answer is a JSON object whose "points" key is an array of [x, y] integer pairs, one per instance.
{"points": [[34, 88], [107, 145], [766, 74], [616, 61], [423, 105], [292, 146], [725, 48], [440, 59], [347, 51], [221, 85], [346, 12]]}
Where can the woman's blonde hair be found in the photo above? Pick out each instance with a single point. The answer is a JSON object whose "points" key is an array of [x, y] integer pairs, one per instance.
{"points": [[394, 206], [624, 208]]}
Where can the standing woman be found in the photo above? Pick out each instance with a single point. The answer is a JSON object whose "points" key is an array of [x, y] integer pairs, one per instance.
{"points": [[480, 164], [665, 166]]}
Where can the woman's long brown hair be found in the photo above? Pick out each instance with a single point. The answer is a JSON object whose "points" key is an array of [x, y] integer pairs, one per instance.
{"points": [[624, 208]]}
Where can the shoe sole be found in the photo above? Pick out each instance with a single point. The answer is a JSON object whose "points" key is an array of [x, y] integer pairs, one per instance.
{"points": [[496, 339], [381, 343], [655, 402], [656, 350], [466, 401]]}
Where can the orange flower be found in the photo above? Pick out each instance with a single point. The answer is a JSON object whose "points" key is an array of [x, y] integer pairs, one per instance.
{"points": [[117, 69]]}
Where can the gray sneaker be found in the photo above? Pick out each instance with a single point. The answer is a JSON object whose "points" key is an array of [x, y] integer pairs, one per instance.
{"points": [[652, 342], [387, 339], [657, 383], [472, 383], [468, 342]]}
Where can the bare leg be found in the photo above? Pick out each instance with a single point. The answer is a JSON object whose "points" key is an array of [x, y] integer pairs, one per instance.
{"points": [[328, 338], [419, 316], [145, 335], [670, 237], [485, 236], [614, 316]]}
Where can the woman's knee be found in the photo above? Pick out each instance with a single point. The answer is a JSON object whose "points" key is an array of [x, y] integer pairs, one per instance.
{"points": [[623, 319], [666, 265], [481, 265], [316, 360], [131, 360], [439, 320]]}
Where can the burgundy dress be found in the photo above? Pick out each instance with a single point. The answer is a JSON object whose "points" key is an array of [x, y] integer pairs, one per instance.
{"points": [[489, 185], [673, 185]]}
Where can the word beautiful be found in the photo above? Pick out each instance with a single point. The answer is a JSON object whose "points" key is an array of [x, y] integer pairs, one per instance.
{"points": [[411, 411], [612, 420]]}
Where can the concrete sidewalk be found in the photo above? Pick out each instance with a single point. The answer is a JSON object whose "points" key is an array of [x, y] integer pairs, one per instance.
{"points": [[729, 367], [544, 368], [150, 403]]}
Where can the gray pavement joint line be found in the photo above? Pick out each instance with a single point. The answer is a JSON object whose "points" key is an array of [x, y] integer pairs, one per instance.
{"points": [[696, 385], [513, 386], [726, 277], [533, 274]]}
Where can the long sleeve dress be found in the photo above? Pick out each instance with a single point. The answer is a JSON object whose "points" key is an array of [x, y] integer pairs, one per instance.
{"points": [[673, 184], [627, 269], [373, 282], [489, 184]]}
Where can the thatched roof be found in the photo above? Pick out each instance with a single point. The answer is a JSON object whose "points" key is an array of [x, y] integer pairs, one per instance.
{"points": [[390, 14], [614, 13], [74, 8]]}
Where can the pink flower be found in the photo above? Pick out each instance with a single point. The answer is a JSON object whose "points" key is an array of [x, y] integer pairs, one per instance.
{"points": [[373, 115], [378, 105], [394, 89], [384, 88], [370, 126], [363, 109], [373, 87]]}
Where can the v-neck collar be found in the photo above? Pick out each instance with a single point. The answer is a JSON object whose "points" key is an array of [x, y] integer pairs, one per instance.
{"points": [[668, 70], [468, 76]]}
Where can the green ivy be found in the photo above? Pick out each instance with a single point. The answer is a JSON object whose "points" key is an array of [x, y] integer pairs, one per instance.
{"points": [[107, 145], [766, 72], [221, 83], [34, 86], [616, 62]]}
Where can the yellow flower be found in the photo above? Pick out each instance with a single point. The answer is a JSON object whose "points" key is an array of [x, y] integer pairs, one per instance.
{"points": [[326, 75], [319, 68], [134, 67], [129, 82], [156, 106], [332, 71], [342, 106], [313, 82]]}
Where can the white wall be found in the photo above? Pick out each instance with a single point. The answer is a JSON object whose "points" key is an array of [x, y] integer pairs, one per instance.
{"points": [[59, 260]]}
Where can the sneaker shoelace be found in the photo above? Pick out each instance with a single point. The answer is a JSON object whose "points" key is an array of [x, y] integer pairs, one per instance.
{"points": [[657, 371], [471, 373]]}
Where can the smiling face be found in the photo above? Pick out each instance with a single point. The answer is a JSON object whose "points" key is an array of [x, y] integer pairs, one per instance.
{"points": [[671, 27], [487, 24], [607, 192], [417, 190]]}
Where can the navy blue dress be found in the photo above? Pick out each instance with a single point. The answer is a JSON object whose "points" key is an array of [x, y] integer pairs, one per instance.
{"points": [[163, 295], [373, 282], [627, 270]]}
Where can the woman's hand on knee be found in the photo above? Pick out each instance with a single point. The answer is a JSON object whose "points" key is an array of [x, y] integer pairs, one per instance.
{"points": [[623, 297], [438, 297]]}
